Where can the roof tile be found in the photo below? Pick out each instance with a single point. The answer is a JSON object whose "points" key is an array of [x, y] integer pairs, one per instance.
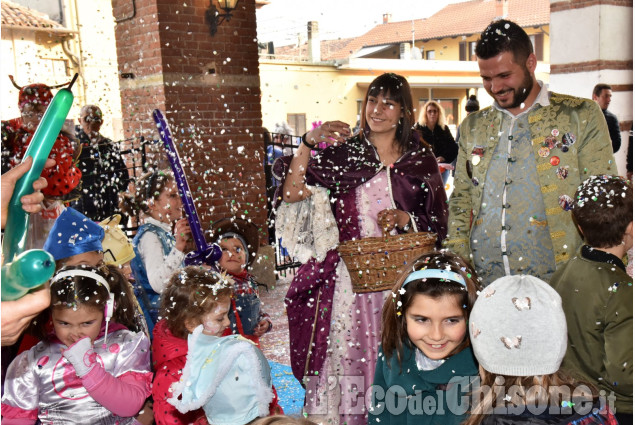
{"points": [[16, 15]]}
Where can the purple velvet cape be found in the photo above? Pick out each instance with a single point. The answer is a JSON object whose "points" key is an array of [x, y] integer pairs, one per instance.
{"points": [[417, 188]]}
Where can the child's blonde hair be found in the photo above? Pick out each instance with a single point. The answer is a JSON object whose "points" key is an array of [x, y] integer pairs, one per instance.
{"points": [[394, 333], [191, 293]]}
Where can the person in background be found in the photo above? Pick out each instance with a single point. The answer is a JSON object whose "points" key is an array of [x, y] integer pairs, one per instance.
{"points": [[602, 94], [64, 179], [159, 251], [434, 131], [600, 321], [104, 171], [239, 241], [520, 161], [471, 106]]}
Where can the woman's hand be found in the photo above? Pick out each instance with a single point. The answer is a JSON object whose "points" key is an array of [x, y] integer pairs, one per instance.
{"points": [[330, 132], [182, 233], [294, 189], [388, 219]]}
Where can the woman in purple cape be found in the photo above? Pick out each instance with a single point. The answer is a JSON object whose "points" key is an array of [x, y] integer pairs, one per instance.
{"points": [[385, 173]]}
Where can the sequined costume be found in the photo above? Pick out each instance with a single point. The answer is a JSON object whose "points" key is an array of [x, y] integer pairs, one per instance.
{"points": [[514, 183], [42, 384], [337, 330]]}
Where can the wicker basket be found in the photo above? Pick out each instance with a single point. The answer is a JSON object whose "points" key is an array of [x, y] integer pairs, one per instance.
{"points": [[375, 263]]}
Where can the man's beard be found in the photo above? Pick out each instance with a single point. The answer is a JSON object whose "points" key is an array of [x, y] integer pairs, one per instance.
{"points": [[521, 94]]}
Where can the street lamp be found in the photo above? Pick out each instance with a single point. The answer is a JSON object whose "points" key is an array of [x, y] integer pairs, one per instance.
{"points": [[214, 18]]}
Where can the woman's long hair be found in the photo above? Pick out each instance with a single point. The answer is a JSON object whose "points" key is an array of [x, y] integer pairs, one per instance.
{"points": [[423, 116], [397, 88]]}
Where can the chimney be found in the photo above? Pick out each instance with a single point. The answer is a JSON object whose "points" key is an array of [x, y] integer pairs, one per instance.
{"points": [[314, 41], [502, 8], [387, 18]]}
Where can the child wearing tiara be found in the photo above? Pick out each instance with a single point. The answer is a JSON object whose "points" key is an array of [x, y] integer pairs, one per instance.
{"points": [[425, 343], [199, 374], [597, 293], [239, 241], [519, 337], [158, 251], [90, 369]]}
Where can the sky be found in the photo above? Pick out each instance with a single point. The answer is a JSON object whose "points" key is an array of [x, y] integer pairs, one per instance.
{"points": [[283, 21]]}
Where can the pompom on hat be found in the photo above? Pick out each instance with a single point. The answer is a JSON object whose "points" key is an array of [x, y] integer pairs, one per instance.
{"points": [[73, 233], [518, 328]]}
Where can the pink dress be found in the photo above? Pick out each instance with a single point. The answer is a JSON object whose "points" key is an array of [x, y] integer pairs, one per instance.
{"points": [[355, 328]]}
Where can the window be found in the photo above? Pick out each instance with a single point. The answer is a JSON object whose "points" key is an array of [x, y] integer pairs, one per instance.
{"points": [[298, 123], [430, 54], [472, 50], [537, 40], [57, 67]]}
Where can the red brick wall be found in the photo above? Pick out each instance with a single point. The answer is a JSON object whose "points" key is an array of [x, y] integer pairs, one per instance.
{"points": [[210, 90]]}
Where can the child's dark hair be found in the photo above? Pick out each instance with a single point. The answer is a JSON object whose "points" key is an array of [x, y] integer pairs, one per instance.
{"points": [[149, 186], [191, 293], [603, 209], [504, 36], [79, 290], [394, 333], [397, 88]]}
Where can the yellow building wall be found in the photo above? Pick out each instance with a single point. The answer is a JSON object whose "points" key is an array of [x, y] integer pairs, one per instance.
{"points": [[323, 93], [30, 58], [448, 48], [38, 57]]}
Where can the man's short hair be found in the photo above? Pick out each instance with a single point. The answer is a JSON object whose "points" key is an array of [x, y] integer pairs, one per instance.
{"points": [[597, 90], [504, 36], [603, 208]]}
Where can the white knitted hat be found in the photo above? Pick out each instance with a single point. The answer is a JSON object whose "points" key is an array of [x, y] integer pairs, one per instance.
{"points": [[518, 327]]}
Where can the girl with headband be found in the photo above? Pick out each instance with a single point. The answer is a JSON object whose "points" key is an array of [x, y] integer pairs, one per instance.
{"points": [[425, 358], [90, 369], [159, 251]]}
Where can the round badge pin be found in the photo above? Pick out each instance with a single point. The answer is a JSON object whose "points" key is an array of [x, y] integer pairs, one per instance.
{"points": [[550, 142], [555, 132], [554, 160], [543, 152], [476, 159], [566, 202], [568, 139], [562, 172]]}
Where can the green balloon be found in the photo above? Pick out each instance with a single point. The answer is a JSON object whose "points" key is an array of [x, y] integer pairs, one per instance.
{"points": [[28, 270]]}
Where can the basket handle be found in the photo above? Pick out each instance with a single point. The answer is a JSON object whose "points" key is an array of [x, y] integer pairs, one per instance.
{"points": [[383, 225]]}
